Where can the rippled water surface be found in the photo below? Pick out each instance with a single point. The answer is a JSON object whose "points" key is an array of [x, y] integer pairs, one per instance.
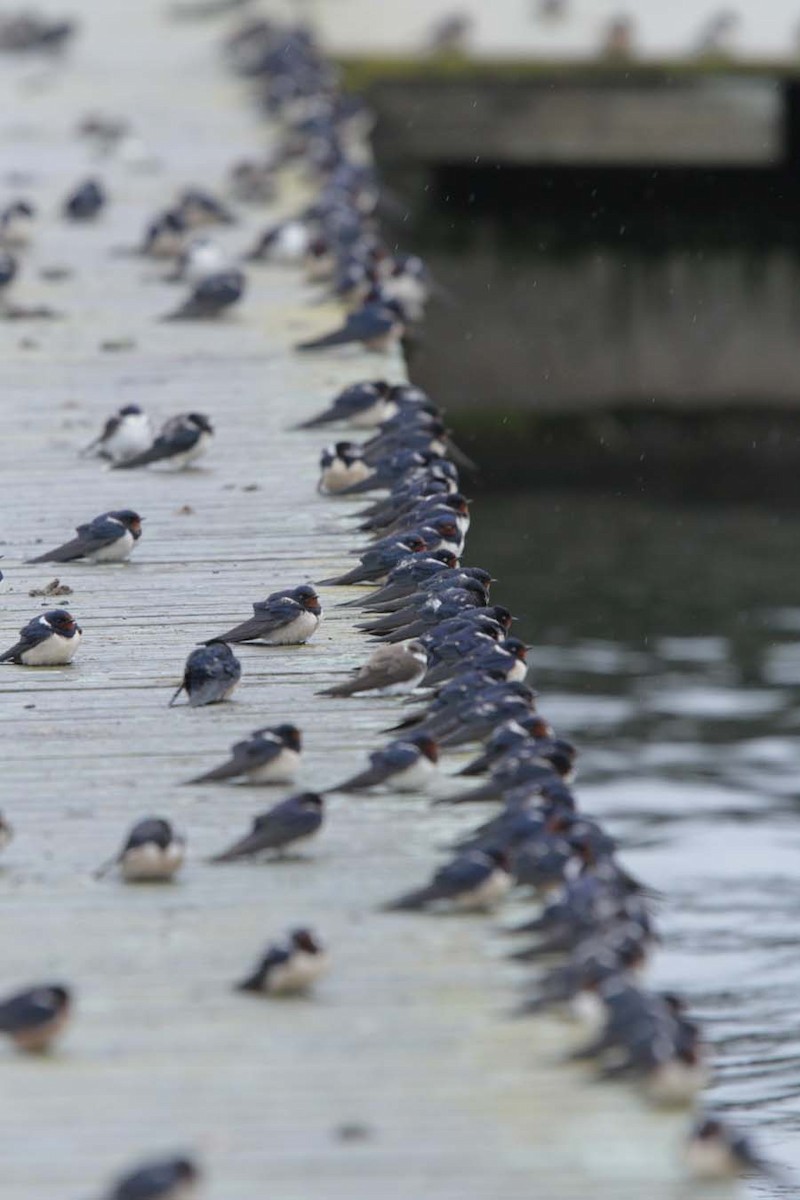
{"points": [[667, 645]]}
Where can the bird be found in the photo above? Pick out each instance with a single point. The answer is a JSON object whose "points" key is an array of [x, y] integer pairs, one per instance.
{"points": [[49, 640], [405, 765], [198, 208], [8, 270], [109, 538], [340, 466], [390, 671], [152, 853], [288, 967], [288, 617], [376, 563], [715, 1151], [377, 325], [15, 223], [161, 1179], [85, 202], [200, 257], [164, 236], [285, 243], [33, 1019], [292, 821], [125, 435], [181, 442], [362, 406], [474, 881], [211, 296], [269, 755], [210, 675]]}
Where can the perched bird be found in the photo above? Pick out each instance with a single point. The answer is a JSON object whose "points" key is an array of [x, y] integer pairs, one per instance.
{"points": [[49, 640], [378, 325], [269, 755], [33, 1019], [292, 821], [15, 223], [125, 435], [389, 671], [475, 881], [164, 236], [376, 563], [85, 202], [163, 1179], [109, 538], [200, 257], [213, 295], [340, 466], [285, 243], [287, 617], [211, 673], [714, 1151], [405, 765], [362, 406], [288, 967], [199, 208], [152, 853], [181, 441]]}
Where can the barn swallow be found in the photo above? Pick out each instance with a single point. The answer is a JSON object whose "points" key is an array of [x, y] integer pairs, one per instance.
{"points": [[16, 220], [211, 673], [362, 406], [405, 765], [109, 538], [475, 881], [49, 640], [33, 1019], [85, 202], [715, 1151], [164, 236], [152, 853], [162, 1179], [289, 967], [452, 504], [211, 296], [377, 563], [8, 270], [509, 736], [288, 617], [253, 182], [198, 258], [181, 441], [200, 208], [531, 763], [388, 472], [125, 435], [441, 525], [430, 610], [6, 832], [292, 821], [340, 466], [284, 243], [406, 578], [377, 325], [509, 656], [269, 755], [390, 671]]}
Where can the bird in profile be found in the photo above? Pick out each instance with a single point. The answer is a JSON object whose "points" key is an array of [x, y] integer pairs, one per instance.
{"points": [[475, 881], [199, 208], [16, 220], [405, 765], [210, 675], [289, 967], [126, 434], [49, 640], [152, 853], [287, 617], [287, 824], [210, 297], [378, 325], [109, 538], [182, 440], [33, 1019], [340, 466], [362, 405], [161, 1179], [200, 257], [270, 755], [85, 202], [390, 671], [164, 236]]}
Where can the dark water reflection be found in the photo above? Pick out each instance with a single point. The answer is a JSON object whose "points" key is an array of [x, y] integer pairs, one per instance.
{"points": [[668, 647]]}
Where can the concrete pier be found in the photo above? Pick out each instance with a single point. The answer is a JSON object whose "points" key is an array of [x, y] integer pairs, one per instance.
{"points": [[402, 1078]]}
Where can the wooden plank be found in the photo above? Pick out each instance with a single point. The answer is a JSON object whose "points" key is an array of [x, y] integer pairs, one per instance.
{"points": [[408, 1036]]}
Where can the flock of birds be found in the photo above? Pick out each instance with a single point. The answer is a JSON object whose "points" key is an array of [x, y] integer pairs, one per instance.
{"points": [[436, 635]]}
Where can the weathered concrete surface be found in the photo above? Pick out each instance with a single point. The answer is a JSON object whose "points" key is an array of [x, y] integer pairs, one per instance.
{"points": [[408, 1034]]}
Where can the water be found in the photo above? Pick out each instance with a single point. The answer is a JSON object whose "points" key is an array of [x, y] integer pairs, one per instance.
{"points": [[667, 646]]}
